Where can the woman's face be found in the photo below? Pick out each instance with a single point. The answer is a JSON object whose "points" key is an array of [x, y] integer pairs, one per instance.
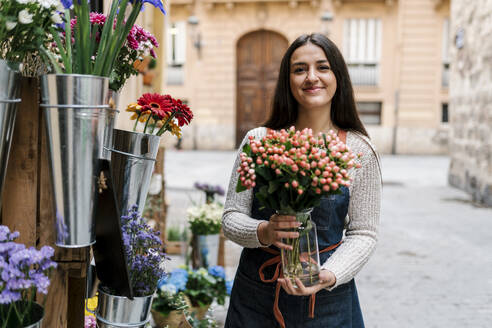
{"points": [[312, 82]]}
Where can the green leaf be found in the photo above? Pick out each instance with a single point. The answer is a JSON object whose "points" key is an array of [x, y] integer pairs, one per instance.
{"points": [[273, 186], [240, 187], [264, 172]]}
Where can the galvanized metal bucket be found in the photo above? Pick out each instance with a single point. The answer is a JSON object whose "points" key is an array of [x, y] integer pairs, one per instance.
{"points": [[207, 250], [37, 313], [9, 101], [133, 158], [112, 99], [76, 115], [120, 311]]}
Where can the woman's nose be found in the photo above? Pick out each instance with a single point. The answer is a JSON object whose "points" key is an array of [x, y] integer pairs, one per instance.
{"points": [[311, 75]]}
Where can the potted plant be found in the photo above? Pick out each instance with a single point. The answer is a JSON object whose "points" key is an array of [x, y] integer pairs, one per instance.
{"points": [[201, 287], [205, 224], [145, 259], [168, 306], [85, 54], [23, 27], [133, 153], [23, 273]]}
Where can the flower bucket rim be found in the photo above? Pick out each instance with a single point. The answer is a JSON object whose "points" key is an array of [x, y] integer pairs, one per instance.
{"points": [[99, 289], [76, 75]]}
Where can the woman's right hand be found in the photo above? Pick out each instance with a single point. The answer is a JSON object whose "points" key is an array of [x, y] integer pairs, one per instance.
{"points": [[271, 232]]}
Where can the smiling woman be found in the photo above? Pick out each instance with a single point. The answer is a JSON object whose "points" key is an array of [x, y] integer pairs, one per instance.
{"points": [[313, 91]]}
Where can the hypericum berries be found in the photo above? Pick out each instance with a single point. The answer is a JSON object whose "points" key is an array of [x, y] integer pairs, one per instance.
{"points": [[303, 164]]}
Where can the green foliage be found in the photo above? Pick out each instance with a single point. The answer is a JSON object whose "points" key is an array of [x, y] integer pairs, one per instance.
{"points": [[202, 288], [175, 234], [168, 300]]}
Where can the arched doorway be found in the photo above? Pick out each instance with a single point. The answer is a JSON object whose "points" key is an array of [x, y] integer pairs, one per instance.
{"points": [[259, 54]]}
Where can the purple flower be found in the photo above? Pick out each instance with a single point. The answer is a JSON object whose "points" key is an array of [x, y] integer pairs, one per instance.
{"points": [[143, 251], [8, 296], [67, 4], [90, 322], [156, 3]]}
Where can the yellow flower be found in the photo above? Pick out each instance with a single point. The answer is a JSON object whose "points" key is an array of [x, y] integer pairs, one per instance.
{"points": [[175, 129], [91, 304], [135, 108]]}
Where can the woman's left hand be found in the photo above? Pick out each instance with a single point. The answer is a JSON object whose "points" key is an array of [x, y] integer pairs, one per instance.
{"points": [[327, 279]]}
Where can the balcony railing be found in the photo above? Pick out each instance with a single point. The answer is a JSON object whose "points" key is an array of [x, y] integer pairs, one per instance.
{"points": [[364, 74]]}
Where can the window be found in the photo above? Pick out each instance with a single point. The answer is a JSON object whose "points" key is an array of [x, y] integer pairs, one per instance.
{"points": [[362, 49], [369, 112], [176, 52], [445, 54], [444, 113]]}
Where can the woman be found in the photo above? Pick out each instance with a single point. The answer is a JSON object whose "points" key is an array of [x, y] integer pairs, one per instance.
{"points": [[313, 91]]}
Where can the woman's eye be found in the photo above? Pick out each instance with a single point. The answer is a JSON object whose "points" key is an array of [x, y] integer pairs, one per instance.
{"points": [[324, 68], [299, 70]]}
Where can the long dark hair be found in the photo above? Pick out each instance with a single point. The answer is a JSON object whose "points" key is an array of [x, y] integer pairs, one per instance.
{"points": [[343, 112]]}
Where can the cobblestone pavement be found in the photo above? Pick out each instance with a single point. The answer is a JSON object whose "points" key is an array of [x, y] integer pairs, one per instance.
{"points": [[433, 264]]}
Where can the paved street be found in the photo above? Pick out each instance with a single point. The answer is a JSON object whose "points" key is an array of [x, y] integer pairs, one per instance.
{"points": [[433, 264]]}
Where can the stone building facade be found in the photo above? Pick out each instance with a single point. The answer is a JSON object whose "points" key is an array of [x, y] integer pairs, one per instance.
{"points": [[471, 98], [222, 57]]}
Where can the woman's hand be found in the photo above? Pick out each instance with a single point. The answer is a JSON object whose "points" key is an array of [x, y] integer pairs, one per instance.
{"points": [[327, 279], [271, 232]]}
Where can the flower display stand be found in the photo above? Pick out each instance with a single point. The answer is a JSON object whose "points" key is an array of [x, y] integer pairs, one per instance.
{"points": [[27, 206]]}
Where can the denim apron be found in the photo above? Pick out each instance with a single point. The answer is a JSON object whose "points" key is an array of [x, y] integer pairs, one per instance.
{"points": [[252, 300]]}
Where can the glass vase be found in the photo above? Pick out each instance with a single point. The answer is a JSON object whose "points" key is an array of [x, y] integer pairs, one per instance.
{"points": [[302, 261]]}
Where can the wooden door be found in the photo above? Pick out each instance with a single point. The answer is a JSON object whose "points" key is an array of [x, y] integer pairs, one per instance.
{"points": [[259, 55]]}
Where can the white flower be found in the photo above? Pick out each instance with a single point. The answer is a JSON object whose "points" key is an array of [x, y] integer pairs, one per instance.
{"points": [[25, 17], [23, 2], [10, 25], [56, 18], [169, 288], [48, 3]]}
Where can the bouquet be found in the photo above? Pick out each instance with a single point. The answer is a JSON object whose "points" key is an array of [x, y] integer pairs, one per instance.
{"points": [[143, 252], [139, 43], [95, 47], [209, 191], [205, 219], [160, 113], [24, 26], [23, 273], [292, 170]]}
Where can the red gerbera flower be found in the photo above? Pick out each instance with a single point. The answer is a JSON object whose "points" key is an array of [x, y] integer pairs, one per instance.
{"points": [[183, 112], [159, 105]]}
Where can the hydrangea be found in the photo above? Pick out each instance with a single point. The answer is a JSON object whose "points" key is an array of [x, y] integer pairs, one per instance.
{"points": [[143, 252], [217, 271]]}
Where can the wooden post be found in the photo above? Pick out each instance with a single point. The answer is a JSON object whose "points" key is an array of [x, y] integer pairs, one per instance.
{"points": [[28, 207]]}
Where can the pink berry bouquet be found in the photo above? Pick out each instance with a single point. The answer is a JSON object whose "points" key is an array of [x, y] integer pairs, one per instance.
{"points": [[292, 170]]}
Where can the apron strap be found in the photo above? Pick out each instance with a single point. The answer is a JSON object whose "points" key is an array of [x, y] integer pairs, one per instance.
{"points": [[279, 274]]}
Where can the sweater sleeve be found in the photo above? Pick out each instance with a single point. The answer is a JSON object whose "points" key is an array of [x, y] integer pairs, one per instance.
{"points": [[237, 223], [364, 210]]}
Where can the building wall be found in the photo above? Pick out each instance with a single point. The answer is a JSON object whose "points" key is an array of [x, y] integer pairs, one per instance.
{"points": [[471, 100], [410, 67]]}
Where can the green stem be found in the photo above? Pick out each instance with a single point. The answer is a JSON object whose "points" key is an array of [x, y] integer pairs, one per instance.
{"points": [[58, 42], [165, 125], [146, 123], [106, 35], [68, 41], [136, 122], [52, 60]]}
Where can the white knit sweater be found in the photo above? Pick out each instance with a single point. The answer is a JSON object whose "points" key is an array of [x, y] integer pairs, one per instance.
{"points": [[361, 226]]}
